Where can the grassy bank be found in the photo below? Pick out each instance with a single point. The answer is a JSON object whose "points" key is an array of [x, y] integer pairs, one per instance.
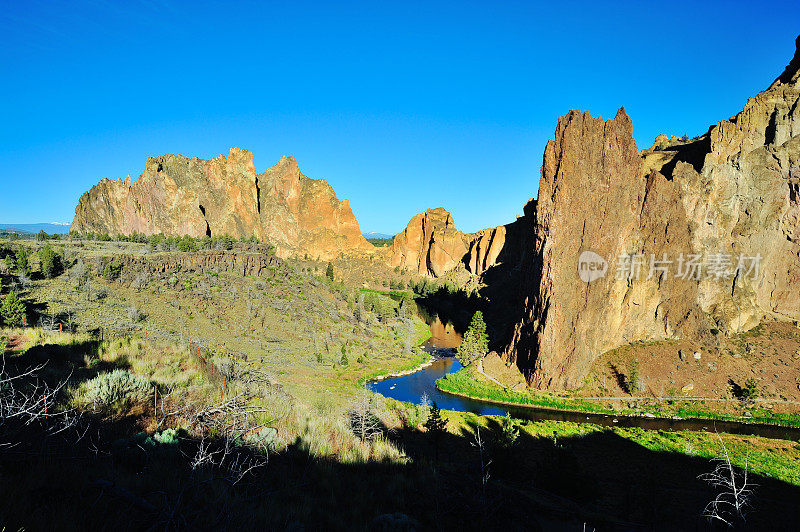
{"points": [[418, 359], [465, 384]]}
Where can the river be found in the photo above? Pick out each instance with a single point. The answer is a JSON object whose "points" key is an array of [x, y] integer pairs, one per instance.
{"points": [[419, 386]]}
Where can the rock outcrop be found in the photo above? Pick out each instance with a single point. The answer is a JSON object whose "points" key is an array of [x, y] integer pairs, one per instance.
{"points": [[429, 245], [252, 263], [697, 235], [177, 195], [485, 248], [499, 246]]}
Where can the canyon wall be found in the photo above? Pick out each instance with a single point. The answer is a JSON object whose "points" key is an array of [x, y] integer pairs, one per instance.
{"points": [[696, 235], [177, 195]]}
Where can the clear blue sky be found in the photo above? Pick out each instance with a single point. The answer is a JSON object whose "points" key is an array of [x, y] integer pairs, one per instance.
{"points": [[400, 106]]}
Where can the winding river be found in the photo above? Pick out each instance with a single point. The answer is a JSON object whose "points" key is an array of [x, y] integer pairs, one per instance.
{"points": [[419, 386]]}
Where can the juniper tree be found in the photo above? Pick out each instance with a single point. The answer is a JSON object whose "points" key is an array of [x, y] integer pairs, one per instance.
{"points": [[50, 262], [435, 426], [12, 310], [22, 263], [475, 342]]}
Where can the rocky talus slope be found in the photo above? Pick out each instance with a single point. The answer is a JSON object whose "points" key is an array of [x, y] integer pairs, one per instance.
{"points": [[698, 236], [177, 195]]}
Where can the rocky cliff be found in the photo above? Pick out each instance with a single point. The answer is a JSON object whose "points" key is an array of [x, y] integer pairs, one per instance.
{"points": [[676, 241], [429, 245], [177, 195], [499, 246]]}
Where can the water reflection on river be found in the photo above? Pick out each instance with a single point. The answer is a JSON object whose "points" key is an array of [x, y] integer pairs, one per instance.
{"points": [[443, 335], [410, 388]]}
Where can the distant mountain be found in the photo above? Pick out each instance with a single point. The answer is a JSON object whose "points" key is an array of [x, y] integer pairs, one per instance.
{"points": [[51, 228], [377, 235]]}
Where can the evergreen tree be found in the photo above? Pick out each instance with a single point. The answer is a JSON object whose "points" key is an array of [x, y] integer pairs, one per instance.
{"points": [[50, 262], [435, 427], [187, 244], [12, 310], [343, 361], [11, 261], [22, 262], [329, 271], [475, 342]]}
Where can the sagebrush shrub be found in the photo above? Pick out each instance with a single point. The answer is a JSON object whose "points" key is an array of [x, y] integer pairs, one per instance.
{"points": [[117, 391]]}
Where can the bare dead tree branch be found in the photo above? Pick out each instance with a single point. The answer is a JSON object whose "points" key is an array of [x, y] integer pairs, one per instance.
{"points": [[735, 491]]}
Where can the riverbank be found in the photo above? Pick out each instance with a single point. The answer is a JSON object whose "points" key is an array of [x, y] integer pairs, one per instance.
{"points": [[402, 373], [465, 384]]}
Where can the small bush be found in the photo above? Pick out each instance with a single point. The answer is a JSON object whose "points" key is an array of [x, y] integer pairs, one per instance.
{"points": [[187, 244], [112, 270], [117, 391], [140, 281], [135, 314], [167, 437], [411, 415]]}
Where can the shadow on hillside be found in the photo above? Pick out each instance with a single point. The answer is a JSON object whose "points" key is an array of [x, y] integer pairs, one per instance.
{"points": [[113, 478], [599, 478]]}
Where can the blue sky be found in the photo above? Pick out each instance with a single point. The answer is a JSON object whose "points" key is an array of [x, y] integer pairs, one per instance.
{"points": [[400, 106]]}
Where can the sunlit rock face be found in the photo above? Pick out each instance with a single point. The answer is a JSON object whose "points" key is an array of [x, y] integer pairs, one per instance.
{"points": [[429, 245], [177, 195], [731, 194]]}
